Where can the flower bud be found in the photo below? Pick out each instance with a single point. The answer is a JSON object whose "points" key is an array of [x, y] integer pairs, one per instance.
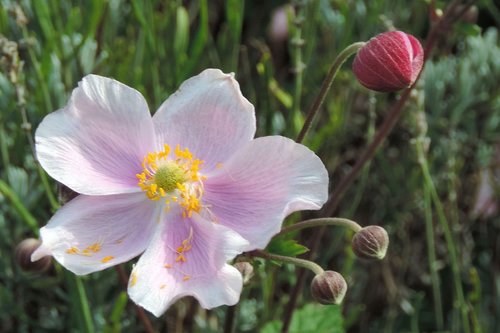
{"points": [[246, 270], [23, 253], [328, 287], [389, 62], [371, 242]]}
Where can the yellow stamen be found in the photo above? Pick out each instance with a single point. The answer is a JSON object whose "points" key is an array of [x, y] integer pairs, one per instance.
{"points": [[106, 259], [133, 279], [72, 250], [176, 179]]}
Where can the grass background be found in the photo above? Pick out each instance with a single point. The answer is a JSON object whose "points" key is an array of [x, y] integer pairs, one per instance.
{"points": [[438, 170]]}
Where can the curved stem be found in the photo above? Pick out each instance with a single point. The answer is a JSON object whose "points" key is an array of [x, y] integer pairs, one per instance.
{"points": [[337, 221], [383, 132], [290, 260], [325, 86]]}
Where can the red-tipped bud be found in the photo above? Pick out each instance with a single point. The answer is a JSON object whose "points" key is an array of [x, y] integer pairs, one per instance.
{"points": [[23, 253], [371, 242], [328, 287], [389, 62], [246, 270]]}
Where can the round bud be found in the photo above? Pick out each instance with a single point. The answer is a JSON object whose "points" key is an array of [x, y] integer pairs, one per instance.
{"points": [[370, 242], [23, 253], [390, 61], [246, 270], [328, 287]]}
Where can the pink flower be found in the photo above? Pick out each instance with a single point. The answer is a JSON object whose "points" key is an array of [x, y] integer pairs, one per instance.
{"points": [[190, 187], [390, 61]]}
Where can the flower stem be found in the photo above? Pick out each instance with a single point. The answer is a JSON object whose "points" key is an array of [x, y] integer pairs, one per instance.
{"points": [[431, 250], [297, 43], [334, 199], [325, 87], [290, 260], [452, 251], [19, 207], [337, 221]]}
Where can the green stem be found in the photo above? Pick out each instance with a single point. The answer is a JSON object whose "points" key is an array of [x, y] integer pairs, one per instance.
{"points": [[48, 190], [431, 250], [84, 305], [298, 43], [290, 260], [454, 262], [19, 206], [325, 86], [337, 221]]}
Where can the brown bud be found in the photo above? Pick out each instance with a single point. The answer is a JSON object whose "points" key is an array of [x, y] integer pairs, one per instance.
{"points": [[371, 242], [246, 270], [328, 287], [23, 253]]}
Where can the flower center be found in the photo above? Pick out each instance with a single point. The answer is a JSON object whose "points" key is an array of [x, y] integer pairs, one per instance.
{"points": [[169, 175], [173, 177]]}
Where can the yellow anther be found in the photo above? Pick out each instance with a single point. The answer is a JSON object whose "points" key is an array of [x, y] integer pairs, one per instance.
{"points": [[180, 257], [72, 250], [163, 286], [177, 179], [96, 247], [133, 279], [106, 259], [167, 266], [186, 278]]}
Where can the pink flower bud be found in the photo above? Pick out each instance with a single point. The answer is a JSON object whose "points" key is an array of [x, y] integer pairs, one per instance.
{"points": [[389, 62]]}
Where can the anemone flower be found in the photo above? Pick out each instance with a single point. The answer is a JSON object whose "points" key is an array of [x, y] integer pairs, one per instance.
{"points": [[190, 187]]}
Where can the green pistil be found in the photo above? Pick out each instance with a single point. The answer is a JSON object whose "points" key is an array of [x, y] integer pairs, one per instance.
{"points": [[169, 175]]}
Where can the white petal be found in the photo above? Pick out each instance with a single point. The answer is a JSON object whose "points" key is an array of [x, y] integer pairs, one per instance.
{"points": [[261, 184], [160, 277], [209, 116], [91, 233], [95, 145]]}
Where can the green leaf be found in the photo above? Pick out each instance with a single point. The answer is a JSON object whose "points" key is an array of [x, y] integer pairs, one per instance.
{"points": [[286, 247], [312, 318]]}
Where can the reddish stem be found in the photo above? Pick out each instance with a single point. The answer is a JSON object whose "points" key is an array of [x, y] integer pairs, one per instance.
{"points": [[392, 118]]}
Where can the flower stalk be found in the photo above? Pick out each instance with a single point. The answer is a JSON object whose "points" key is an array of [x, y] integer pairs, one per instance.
{"points": [[325, 86], [312, 266], [336, 221]]}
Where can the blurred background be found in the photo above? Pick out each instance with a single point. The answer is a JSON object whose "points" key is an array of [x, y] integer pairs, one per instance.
{"points": [[443, 265]]}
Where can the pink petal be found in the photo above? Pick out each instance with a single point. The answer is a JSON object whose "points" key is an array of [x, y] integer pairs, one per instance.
{"points": [[209, 116], [91, 233], [95, 145], [160, 277], [261, 184]]}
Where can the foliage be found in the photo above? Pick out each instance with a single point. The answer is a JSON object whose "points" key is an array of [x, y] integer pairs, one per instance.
{"points": [[155, 45]]}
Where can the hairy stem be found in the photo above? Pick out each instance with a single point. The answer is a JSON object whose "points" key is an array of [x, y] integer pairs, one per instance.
{"points": [[325, 87], [337, 221], [447, 19], [289, 260]]}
